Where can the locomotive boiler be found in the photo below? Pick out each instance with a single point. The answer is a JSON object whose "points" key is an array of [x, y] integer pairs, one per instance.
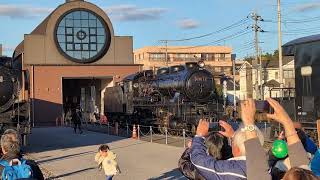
{"points": [[14, 110], [173, 97]]}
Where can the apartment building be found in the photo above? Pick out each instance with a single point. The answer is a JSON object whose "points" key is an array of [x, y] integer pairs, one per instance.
{"points": [[154, 57]]}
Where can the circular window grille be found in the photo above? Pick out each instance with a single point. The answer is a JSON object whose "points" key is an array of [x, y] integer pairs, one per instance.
{"points": [[82, 36]]}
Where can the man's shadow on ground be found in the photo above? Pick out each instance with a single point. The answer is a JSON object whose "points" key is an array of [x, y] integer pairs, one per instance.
{"points": [[171, 175]]}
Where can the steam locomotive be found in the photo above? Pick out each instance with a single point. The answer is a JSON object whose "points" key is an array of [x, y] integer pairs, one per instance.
{"points": [[14, 109], [173, 97]]}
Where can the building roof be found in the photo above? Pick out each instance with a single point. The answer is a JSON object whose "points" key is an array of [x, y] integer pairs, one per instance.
{"points": [[274, 63], [185, 49], [272, 83], [289, 48], [305, 51]]}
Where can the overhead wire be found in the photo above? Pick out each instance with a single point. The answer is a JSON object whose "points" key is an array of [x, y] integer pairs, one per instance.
{"points": [[294, 21], [230, 37], [234, 25]]}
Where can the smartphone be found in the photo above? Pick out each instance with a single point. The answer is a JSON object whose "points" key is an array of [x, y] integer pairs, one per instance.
{"points": [[262, 106]]}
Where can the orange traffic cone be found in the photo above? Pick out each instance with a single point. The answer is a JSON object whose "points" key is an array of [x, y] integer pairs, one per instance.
{"points": [[134, 132]]}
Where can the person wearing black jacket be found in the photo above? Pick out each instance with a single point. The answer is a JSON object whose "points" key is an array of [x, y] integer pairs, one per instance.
{"points": [[76, 119]]}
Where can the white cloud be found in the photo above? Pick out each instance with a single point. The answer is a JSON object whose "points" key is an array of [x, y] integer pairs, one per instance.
{"points": [[22, 11], [128, 12], [307, 7], [188, 24], [124, 12]]}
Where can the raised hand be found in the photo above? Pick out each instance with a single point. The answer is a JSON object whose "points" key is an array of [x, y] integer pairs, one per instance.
{"points": [[228, 130], [203, 128], [248, 110], [280, 115], [281, 135]]}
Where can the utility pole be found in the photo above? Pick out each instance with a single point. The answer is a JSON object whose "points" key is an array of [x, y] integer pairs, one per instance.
{"points": [[280, 49], [256, 28], [167, 63], [233, 58], [166, 51], [261, 79]]}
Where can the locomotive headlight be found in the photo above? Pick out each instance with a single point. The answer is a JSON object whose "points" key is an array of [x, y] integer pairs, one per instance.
{"points": [[201, 64]]}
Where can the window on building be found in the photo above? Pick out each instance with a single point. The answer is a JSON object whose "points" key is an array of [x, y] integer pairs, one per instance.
{"points": [[181, 56], [276, 75], [82, 36], [139, 56], [185, 57], [217, 69], [222, 57], [157, 56], [208, 57], [227, 69], [288, 74]]}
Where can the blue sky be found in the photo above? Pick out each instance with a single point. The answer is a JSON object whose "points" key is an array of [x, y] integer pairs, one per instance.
{"points": [[151, 20]]}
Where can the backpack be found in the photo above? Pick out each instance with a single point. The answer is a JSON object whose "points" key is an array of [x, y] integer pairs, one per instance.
{"points": [[13, 172]]}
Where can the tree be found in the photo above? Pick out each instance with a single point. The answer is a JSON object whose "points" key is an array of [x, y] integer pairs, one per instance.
{"points": [[271, 57], [267, 56]]}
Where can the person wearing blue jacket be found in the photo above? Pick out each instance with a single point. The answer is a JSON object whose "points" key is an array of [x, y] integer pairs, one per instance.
{"points": [[231, 169], [315, 163], [310, 146]]}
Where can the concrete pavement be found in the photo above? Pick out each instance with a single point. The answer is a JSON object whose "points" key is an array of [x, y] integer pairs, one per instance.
{"points": [[71, 156]]}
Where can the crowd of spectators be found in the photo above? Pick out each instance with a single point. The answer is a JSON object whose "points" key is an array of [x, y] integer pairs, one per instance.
{"points": [[238, 153]]}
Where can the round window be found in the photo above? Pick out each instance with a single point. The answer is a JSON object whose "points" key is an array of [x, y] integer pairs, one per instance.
{"points": [[82, 36]]}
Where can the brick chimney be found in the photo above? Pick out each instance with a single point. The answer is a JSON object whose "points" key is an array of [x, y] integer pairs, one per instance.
{"points": [[0, 49]]}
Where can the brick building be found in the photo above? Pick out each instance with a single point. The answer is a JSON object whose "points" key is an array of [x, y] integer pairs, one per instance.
{"points": [[70, 59]]}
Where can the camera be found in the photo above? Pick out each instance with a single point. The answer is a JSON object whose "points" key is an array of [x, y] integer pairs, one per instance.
{"points": [[262, 106]]}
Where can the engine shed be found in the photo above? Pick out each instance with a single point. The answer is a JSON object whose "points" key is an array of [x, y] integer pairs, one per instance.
{"points": [[69, 60]]}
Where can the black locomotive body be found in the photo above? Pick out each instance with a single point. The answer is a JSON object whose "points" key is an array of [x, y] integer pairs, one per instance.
{"points": [[14, 108], [174, 97]]}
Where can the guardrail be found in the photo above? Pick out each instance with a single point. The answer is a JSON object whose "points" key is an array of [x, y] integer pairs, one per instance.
{"points": [[162, 135]]}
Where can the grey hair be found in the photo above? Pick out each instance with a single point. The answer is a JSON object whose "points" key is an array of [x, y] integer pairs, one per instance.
{"points": [[240, 137], [9, 145], [15, 136]]}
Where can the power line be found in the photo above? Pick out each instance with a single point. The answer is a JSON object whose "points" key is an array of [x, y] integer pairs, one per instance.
{"points": [[296, 32], [234, 25], [251, 47], [294, 21], [230, 37]]}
